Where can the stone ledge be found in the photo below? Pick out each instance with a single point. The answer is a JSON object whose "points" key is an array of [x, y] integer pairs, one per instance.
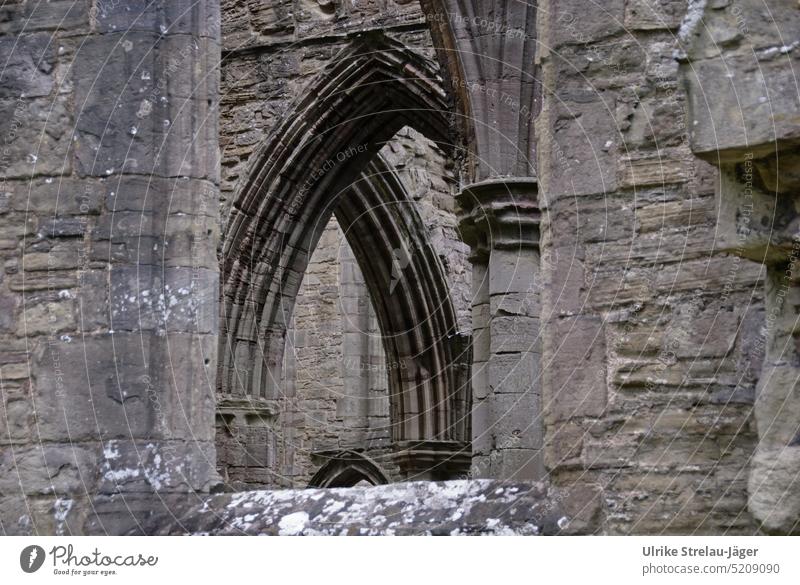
{"points": [[463, 507]]}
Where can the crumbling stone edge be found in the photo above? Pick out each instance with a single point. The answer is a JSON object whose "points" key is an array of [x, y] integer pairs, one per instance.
{"points": [[461, 507]]}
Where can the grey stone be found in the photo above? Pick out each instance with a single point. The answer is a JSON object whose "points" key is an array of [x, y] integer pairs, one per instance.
{"points": [[450, 508], [28, 67]]}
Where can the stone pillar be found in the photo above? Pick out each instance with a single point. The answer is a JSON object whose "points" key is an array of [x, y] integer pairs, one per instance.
{"points": [[501, 223], [762, 225], [774, 483], [488, 50], [353, 407], [379, 422], [482, 437], [115, 294]]}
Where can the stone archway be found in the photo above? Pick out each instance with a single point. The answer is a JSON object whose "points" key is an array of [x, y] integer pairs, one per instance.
{"points": [[307, 170], [347, 469]]}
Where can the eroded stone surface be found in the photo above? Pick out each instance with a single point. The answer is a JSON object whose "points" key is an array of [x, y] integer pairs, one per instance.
{"points": [[751, 131], [449, 508]]}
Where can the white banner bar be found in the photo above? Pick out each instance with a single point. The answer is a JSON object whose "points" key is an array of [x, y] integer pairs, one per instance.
{"points": [[332, 560]]}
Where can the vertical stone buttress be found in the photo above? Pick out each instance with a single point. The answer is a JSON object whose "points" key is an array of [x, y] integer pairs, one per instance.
{"points": [[114, 231], [488, 48]]}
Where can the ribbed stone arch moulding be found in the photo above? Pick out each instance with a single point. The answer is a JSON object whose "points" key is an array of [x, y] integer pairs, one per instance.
{"points": [[324, 158]]}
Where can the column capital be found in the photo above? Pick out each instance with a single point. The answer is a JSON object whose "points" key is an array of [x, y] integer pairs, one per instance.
{"points": [[500, 213]]}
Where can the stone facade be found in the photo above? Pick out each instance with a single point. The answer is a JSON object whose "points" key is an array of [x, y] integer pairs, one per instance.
{"points": [[545, 249], [756, 151]]}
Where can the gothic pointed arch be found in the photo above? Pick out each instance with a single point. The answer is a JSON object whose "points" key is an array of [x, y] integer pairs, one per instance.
{"points": [[307, 169], [346, 469], [409, 290]]}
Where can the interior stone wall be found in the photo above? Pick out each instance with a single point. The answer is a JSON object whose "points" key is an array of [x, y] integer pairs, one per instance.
{"points": [[654, 332], [273, 50], [338, 374], [651, 331]]}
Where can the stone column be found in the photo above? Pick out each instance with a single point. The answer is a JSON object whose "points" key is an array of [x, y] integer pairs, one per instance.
{"points": [[763, 226], [121, 329], [501, 224], [353, 407], [482, 438], [774, 483], [488, 50]]}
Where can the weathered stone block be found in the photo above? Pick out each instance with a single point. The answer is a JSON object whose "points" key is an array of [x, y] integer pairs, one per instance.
{"points": [[37, 516], [584, 132], [165, 466], [565, 290], [8, 311], [47, 318], [72, 374], [576, 376], [16, 414], [58, 227], [482, 437], [774, 497], [519, 508], [64, 255], [28, 67], [739, 106], [517, 422], [46, 470], [657, 123], [515, 334], [57, 197], [664, 168], [682, 214], [521, 464], [165, 197], [514, 373], [654, 15], [563, 447], [572, 22], [140, 114], [185, 382], [92, 300], [49, 280], [66, 15], [37, 136], [167, 17]]}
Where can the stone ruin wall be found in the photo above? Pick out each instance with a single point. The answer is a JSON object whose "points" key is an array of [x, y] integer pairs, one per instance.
{"points": [[108, 319], [654, 337]]}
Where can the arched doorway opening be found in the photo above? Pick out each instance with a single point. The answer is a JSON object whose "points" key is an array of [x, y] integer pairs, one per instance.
{"points": [[324, 160]]}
